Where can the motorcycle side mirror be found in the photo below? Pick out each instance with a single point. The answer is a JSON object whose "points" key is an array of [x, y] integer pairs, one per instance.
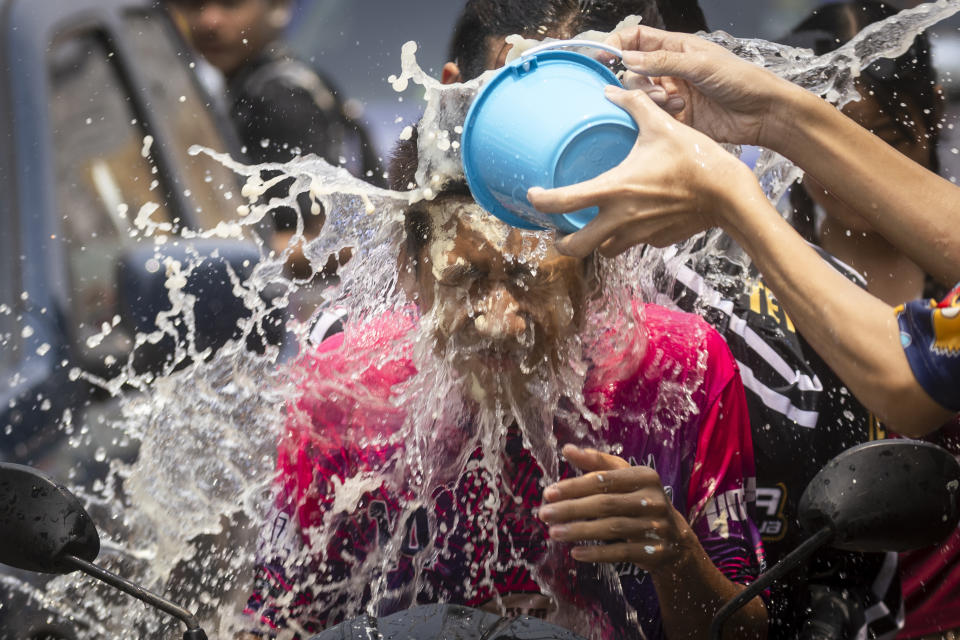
{"points": [[45, 528], [41, 522], [887, 495]]}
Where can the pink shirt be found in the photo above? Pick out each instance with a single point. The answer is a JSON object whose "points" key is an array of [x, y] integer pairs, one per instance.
{"points": [[703, 454]]}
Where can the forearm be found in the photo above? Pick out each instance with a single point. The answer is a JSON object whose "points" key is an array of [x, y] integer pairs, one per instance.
{"points": [[692, 593], [910, 206], [854, 332]]}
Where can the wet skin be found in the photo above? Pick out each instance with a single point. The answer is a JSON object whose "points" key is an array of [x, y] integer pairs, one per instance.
{"points": [[506, 320], [890, 275], [909, 140], [495, 313]]}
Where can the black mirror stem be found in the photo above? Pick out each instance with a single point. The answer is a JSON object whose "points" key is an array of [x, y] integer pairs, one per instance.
{"points": [[193, 632], [789, 562]]}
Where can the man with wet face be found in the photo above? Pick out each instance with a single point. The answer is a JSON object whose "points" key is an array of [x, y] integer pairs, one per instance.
{"points": [[506, 316], [499, 314]]}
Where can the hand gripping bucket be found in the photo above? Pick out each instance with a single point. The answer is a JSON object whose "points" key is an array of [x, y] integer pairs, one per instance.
{"points": [[543, 121]]}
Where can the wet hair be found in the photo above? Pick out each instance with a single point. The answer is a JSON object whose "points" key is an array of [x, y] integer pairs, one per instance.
{"points": [[402, 176], [482, 20], [417, 221], [909, 78]]}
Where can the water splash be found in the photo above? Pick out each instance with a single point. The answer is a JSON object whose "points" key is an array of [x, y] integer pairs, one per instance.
{"points": [[832, 76], [181, 519]]}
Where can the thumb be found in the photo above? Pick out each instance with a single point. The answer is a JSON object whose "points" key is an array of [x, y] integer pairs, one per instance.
{"points": [[638, 104], [592, 460], [571, 198]]}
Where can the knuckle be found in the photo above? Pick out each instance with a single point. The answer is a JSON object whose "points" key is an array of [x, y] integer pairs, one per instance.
{"points": [[636, 102], [657, 58], [659, 507], [701, 59], [619, 527], [650, 475], [633, 478], [610, 505]]}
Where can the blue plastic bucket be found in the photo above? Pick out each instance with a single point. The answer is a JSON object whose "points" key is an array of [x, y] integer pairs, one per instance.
{"points": [[543, 121]]}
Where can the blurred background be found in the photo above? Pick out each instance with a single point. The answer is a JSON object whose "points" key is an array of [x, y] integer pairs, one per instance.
{"points": [[357, 44]]}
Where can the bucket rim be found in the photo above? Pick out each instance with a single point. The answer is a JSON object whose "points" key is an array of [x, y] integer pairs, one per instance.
{"points": [[478, 190]]}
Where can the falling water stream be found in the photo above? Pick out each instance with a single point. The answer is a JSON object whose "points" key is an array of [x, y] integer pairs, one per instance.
{"points": [[182, 519]]}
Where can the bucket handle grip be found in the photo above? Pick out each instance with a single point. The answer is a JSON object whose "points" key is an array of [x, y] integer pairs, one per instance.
{"points": [[560, 44]]}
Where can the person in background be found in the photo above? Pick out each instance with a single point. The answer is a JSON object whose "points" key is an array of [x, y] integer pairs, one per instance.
{"points": [[901, 103], [798, 408], [281, 107]]}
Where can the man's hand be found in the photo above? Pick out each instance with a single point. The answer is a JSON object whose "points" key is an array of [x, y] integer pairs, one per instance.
{"points": [[623, 506], [626, 508]]}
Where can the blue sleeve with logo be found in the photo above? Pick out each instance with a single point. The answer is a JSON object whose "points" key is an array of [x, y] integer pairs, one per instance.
{"points": [[930, 335]]}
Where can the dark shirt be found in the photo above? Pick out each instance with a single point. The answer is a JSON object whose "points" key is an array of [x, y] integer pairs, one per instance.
{"points": [[281, 107], [801, 416]]}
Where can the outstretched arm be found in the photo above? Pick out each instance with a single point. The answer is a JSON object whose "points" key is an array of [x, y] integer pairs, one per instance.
{"points": [[911, 207], [854, 332], [624, 505], [732, 100], [677, 181]]}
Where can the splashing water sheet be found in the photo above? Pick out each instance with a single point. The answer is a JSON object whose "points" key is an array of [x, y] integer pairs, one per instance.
{"points": [[182, 519]]}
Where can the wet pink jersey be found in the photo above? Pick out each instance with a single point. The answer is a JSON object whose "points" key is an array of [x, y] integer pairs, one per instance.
{"points": [[704, 459]]}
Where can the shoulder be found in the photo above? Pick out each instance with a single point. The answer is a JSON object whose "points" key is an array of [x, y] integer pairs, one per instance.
{"points": [[930, 335], [337, 345], [689, 341], [350, 355], [346, 384]]}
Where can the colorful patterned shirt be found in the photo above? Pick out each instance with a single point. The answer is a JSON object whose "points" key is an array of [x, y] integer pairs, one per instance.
{"points": [[704, 460], [930, 335]]}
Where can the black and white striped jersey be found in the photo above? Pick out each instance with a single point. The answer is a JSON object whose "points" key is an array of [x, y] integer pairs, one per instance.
{"points": [[801, 416]]}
